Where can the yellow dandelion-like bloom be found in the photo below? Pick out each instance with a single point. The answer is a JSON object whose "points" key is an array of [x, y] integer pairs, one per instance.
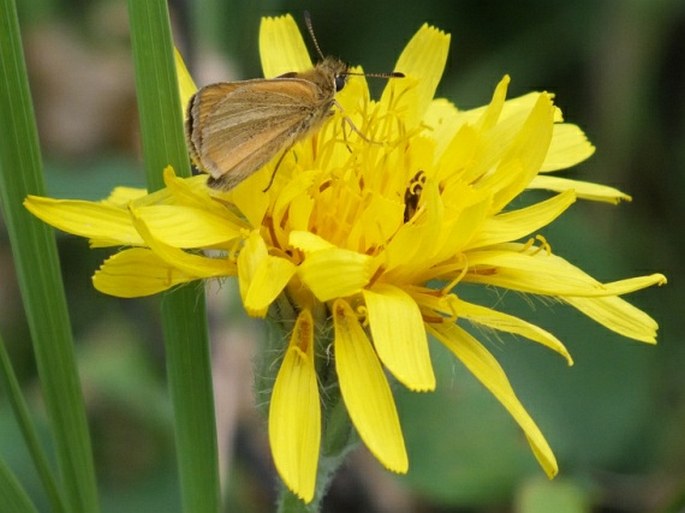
{"points": [[372, 236]]}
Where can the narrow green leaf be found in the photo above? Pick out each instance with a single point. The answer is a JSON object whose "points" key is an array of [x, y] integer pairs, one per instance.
{"points": [[28, 430], [14, 498], [35, 257], [183, 310]]}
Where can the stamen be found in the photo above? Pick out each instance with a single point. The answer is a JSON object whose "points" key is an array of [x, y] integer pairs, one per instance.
{"points": [[362, 314]]}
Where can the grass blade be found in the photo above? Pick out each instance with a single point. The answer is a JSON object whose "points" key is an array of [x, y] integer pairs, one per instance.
{"points": [[35, 257], [183, 310]]}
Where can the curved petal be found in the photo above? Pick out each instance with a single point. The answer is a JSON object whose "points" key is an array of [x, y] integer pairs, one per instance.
{"points": [[519, 223], [108, 224], [188, 227], [193, 192], [522, 161], [585, 190], [295, 413], [336, 272], [537, 273], [262, 277], [617, 315], [568, 147], [423, 62], [399, 336], [485, 368], [137, 272], [366, 392], [268, 281], [191, 264], [517, 267], [484, 316], [281, 47]]}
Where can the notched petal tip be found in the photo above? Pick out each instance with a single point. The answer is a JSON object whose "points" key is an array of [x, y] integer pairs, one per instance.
{"points": [[281, 47], [424, 59]]}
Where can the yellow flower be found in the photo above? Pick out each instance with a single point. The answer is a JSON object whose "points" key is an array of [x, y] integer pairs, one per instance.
{"points": [[372, 236]]}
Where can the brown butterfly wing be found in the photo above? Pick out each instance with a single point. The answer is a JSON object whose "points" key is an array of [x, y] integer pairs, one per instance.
{"points": [[236, 128], [203, 102]]}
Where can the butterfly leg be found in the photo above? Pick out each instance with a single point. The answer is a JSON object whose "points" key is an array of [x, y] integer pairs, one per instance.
{"points": [[273, 173]]}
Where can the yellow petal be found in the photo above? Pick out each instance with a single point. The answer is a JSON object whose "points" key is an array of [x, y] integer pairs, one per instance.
{"points": [[441, 117], [628, 285], [262, 277], [336, 272], [86, 219], [249, 200], [617, 315], [193, 192], [268, 281], [508, 323], [485, 368], [458, 158], [538, 272], [402, 248], [568, 147], [186, 86], [308, 242], [519, 223], [584, 190], [187, 227], [466, 224], [121, 196], [137, 272], [491, 113], [366, 392], [251, 256], [281, 47], [508, 111], [423, 62], [193, 265], [526, 154], [399, 336], [295, 413]]}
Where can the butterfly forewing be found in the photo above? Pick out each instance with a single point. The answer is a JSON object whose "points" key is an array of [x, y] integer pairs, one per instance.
{"points": [[236, 128]]}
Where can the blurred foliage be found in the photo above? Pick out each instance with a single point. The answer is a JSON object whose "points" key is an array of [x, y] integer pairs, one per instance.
{"points": [[615, 419]]}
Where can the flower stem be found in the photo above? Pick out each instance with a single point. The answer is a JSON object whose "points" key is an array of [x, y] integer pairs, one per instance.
{"points": [[183, 309]]}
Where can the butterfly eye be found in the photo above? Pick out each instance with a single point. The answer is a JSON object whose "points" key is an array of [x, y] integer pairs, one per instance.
{"points": [[340, 82]]}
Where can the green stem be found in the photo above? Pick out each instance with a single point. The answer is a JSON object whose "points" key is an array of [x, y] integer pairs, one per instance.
{"points": [[38, 272], [183, 310]]}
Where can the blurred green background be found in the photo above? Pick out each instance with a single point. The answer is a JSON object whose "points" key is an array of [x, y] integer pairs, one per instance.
{"points": [[616, 420]]}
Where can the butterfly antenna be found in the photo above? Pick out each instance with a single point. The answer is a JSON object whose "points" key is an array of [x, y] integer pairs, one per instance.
{"points": [[308, 22]]}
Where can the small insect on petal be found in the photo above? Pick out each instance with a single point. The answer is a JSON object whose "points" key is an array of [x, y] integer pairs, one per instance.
{"points": [[233, 129]]}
